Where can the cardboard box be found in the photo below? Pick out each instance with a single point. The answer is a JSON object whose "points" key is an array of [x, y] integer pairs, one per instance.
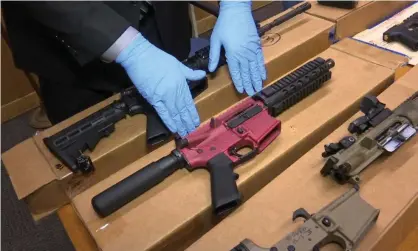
{"points": [[51, 185], [389, 184], [178, 211], [349, 22], [17, 95]]}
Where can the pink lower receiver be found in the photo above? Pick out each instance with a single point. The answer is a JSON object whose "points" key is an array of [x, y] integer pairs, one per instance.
{"points": [[218, 137]]}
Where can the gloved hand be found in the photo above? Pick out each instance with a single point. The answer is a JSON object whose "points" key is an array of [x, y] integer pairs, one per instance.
{"points": [[161, 79], [235, 30]]}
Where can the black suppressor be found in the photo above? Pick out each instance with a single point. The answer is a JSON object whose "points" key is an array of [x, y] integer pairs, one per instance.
{"points": [[136, 184]]}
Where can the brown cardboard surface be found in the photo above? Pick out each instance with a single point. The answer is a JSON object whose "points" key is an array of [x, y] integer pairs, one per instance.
{"points": [[411, 76], [178, 211], [388, 184], [301, 38], [17, 94], [205, 21], [369, 53], [19, 106], [350, 22], [27, 172]]}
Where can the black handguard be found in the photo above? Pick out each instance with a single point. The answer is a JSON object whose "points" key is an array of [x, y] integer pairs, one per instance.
{"points": [[405, 33], [126, 190], [224, 190], [296, 86]]}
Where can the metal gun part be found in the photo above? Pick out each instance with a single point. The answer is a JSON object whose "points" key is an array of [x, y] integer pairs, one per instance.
{"points": [[345, 221], [374, 113], [405, 33], [286, 17], [393, 130], [296, 86]]}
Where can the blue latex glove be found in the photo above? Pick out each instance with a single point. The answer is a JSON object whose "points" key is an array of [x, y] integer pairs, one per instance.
{"points": [[235, 30], [161, 79]]}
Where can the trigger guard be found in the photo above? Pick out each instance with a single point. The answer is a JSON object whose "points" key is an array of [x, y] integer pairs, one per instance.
{"points": [[242, 158], [301, 213]]}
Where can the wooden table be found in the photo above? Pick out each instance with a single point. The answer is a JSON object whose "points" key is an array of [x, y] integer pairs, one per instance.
{"points": [[83, 241]]}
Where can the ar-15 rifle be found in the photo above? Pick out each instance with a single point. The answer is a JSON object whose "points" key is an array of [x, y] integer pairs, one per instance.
{"points": [[380, 130], [216, 146], [69, 144], [405, 33], [345, 221], [200, 60]]}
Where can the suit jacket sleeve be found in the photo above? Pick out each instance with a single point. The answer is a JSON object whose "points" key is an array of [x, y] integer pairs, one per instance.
{"points": [[90, 27]]}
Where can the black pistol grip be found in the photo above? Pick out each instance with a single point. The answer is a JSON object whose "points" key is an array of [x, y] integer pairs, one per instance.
{"points": [[136, 184], [197, 86], [225, 194], [409, 40], [157, 132], [405, 33]]}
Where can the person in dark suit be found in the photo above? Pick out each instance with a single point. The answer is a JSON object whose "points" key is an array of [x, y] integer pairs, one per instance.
{"points": [[83, 52]]}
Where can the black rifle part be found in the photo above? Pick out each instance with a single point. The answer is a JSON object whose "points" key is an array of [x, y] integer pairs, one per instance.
{"points": [[69, 144], [136, 184], [296, 86], [200, 61], [333, 148], [291, 14], [374, 113], [339, 4], [405, 33]]}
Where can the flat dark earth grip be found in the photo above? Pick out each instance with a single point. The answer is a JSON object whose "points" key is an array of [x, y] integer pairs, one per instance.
{"points": [[136, 184], [224, 190]]}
